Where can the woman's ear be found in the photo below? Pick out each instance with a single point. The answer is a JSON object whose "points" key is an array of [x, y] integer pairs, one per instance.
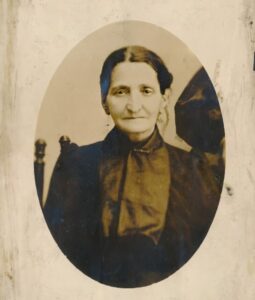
{"points": [[106, 108], [165, 98]]}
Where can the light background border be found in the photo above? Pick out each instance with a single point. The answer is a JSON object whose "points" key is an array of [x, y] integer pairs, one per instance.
{"points": [[35, 36]]}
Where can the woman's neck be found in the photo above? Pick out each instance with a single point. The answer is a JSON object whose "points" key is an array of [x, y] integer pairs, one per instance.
{"points": [[139, 136]]}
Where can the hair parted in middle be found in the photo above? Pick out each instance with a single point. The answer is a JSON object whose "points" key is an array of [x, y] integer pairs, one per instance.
{"points": [[134, 54]]}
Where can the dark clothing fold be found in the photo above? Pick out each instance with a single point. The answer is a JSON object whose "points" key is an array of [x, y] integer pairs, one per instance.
{"points": [[101, 227]]}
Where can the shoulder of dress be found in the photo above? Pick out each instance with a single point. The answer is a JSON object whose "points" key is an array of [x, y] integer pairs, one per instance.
{"points": [[76, 155], [90, 149], [178, 153], [187, 159]]}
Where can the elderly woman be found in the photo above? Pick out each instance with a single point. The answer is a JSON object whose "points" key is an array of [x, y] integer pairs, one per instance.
{"points": [[130, 210]]}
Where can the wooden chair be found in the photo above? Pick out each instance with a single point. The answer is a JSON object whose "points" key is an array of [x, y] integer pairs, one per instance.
{"points": [[40, 146], [39, 164]]}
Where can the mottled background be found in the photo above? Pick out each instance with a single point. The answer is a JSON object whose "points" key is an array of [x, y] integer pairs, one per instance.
{"points": [[35, 37]]}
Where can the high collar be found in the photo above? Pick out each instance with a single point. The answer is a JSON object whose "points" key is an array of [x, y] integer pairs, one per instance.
{"points": [[117, 143]]}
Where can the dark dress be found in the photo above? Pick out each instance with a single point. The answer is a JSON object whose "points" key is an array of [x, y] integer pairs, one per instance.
{"points": [[73, 212]]}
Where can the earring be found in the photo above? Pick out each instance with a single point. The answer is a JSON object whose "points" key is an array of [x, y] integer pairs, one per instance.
{"points": [[160, 116], [108, 122]]}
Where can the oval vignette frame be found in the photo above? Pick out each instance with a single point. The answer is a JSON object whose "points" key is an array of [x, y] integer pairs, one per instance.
{"points": [[72, 104]]}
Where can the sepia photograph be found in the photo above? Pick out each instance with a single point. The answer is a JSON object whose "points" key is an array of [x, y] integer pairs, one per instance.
{"points": [[131, 208], [127, 150]]}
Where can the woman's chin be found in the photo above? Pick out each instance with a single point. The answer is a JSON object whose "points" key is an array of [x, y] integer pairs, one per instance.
{"points": [[135, 125], [137, 133]]}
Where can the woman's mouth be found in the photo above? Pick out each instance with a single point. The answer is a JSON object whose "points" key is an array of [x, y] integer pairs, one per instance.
{"points": [[134, 118]]}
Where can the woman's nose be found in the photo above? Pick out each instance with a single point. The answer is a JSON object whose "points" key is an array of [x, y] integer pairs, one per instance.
{"points": [[134, 103]]}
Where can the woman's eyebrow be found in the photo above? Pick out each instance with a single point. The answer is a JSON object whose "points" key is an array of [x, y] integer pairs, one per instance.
{"points": [[145, 85], [118, 87]]}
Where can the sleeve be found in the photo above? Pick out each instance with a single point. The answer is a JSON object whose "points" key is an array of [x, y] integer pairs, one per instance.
{"points": [[59, 193], [195, 194], [71, 209]]}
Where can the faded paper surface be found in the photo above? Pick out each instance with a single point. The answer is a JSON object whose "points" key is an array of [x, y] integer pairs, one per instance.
{"points": [[35, 38]]}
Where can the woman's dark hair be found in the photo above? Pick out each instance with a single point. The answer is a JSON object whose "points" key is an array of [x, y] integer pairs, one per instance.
{"points": [[134, 54]]}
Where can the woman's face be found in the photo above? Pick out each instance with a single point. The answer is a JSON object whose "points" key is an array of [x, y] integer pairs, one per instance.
{"points": [[134, 99]]}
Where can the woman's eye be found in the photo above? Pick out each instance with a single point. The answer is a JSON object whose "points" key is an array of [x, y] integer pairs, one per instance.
{"points": [[120, 92], [147, 91]]}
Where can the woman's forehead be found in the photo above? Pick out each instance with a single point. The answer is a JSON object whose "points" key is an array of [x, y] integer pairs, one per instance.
{"points": [[129, 73]]}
